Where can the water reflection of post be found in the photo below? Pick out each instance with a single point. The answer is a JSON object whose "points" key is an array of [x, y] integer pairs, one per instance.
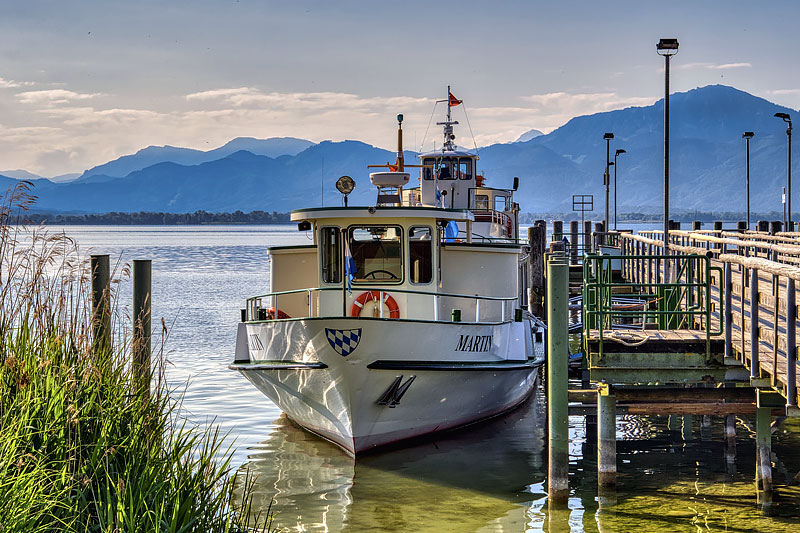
{"points": [[730, 445]]}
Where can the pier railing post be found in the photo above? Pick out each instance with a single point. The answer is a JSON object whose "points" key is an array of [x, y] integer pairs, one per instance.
{"points": [[101, 303], [755, 369], [557, 380], [727, 289], [141, 321], [791, 344]]}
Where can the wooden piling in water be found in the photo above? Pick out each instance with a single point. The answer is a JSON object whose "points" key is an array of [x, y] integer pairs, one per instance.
{"points": [[606, 437], [537, 241], [557, 380], [717, 225], [573, 240], [775, 227], [101, 302], [586, 239], [142, 281], [696, 225], [558, 230], [763, 450]]}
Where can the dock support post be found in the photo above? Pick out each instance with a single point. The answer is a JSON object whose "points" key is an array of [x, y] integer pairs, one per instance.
{"points": [[573, 242], [557, 380], [101, 303], [606, 437], [141, 322], [755, 369], [791, 344], [558, 230], [586, 237], [537, 237], [763, 452]]}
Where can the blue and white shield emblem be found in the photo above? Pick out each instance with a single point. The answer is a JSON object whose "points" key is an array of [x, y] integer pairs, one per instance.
{"points": [[344, 341]]}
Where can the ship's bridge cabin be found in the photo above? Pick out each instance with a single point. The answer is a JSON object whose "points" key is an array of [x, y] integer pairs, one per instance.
{"points": [[449, 179], [409, 258]]}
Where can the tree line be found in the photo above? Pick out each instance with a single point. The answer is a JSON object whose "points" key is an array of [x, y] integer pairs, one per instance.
{"points": [[146, 218]]}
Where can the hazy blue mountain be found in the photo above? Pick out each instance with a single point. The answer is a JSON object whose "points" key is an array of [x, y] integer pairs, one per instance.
{"points": [[528, 135], [152, 155], [706, 172], [19, 174], [240, 181]]}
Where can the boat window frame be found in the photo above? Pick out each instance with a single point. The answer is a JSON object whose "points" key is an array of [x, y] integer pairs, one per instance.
{"points": [[400, 227], [322, 255], [433, 235]]}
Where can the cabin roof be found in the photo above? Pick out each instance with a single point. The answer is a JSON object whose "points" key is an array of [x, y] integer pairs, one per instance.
{"points": [[377, 213], [447, 153]]}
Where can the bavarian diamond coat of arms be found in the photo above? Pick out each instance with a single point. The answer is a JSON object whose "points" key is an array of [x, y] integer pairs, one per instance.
{"points": [[344, 341]]}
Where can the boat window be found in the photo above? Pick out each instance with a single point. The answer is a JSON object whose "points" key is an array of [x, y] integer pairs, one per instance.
{"points": [[465, 168], [377, 253], [482, 202], [427, 168], [445, 169], [420, 253], [331, 255], [500, 203]]}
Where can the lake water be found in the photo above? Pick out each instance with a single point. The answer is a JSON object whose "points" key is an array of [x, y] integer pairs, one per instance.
{"points": [[674, 474]]}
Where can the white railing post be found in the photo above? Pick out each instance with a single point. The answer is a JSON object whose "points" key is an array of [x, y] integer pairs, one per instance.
{"points": [[477, 310], [435, 307], [502, 310], [381, 304], [310, 312]]}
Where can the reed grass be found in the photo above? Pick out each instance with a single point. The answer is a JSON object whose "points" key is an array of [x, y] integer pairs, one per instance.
{"points": [[81, 449]]}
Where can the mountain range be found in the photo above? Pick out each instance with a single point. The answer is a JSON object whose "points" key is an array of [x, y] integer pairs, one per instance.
{"points": [[707, 165]]}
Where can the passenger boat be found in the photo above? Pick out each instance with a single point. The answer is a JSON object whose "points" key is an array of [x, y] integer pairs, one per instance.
{"points": [[403, 318]]}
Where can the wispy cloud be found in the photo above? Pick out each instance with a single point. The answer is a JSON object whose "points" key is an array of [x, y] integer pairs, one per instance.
{"points": [[709, 66], [13, 84], [53, 96]]}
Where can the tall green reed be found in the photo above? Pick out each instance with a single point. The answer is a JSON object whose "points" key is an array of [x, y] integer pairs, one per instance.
{"points": [[80, 448]]}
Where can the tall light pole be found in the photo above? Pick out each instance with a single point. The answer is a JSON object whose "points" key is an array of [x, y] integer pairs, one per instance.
{"points": [[747, 136], [786, 118], [607, 175], [619, 151], [666, 48]]}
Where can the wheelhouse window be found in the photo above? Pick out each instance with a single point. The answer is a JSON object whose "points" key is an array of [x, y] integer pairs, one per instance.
{"points": [[465, 168], [501, 203], [482, 202], [377, 253], [420, 254], [330, 244]]}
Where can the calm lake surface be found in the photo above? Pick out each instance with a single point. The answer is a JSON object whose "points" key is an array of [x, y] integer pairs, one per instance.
{"points": [[674, 474]]}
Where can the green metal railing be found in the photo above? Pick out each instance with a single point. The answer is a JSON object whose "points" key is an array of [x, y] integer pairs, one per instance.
{"points": [[663, 305]]}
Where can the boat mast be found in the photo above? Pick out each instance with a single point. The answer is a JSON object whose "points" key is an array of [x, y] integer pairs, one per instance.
{"points": [[448, 124]]}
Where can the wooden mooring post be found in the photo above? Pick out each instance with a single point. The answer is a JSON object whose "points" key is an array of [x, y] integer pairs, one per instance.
{"points": [[101, 303], [557, 380], [606, 436], [142, 279], [573, 242]]}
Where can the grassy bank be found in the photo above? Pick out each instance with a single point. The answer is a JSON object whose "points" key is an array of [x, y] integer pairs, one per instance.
{"points": [[81, 449]]}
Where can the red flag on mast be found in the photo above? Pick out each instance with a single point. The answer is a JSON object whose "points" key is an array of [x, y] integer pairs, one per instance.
{"points": [[452, 100]]}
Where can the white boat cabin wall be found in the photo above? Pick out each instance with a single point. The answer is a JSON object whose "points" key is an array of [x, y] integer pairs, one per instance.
{"points": [[406, 261]]}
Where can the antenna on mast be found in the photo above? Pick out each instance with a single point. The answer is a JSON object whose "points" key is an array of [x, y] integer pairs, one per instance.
{"points": [[449, 137]]}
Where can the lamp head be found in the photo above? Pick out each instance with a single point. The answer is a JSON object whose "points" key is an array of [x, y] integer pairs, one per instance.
{"points": [[400, 118], [667, 47], [608, 136], [748, 135], [345, 185], [784, 116], [620, 151]]}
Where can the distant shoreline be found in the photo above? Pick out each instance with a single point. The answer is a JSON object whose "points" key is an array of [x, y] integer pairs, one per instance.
{"points": [[239, 218]]}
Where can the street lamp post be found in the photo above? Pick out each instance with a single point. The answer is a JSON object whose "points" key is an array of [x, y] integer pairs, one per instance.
{"points": [[747, 136], [786, 118], [607, 176], [666, 48], [619, 151]]}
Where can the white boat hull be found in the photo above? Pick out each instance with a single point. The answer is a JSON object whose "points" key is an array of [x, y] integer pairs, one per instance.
{"points": [[364, 383]]}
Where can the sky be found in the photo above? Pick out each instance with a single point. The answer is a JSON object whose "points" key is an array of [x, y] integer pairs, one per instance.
{"points": [[84, 82]]}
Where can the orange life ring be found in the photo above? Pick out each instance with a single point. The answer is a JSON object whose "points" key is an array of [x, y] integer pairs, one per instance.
{"points": [[364, 297], [271, 314]]}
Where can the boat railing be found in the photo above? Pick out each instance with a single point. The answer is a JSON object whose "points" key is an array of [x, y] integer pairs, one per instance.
{"points": [[484, 309]]}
